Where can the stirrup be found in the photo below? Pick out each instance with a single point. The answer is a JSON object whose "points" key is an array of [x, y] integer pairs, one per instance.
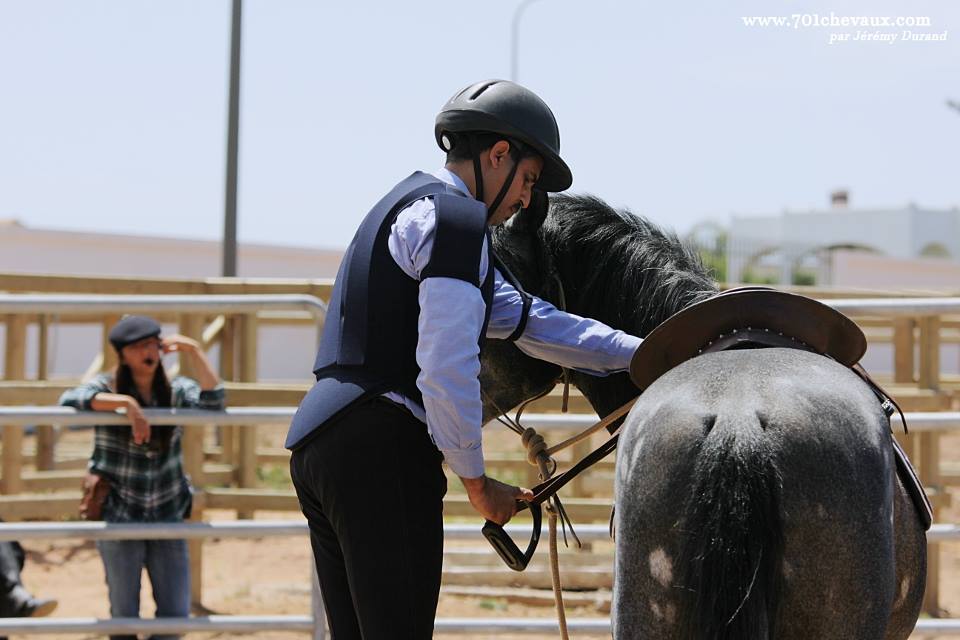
{"points": [[505, 547]]}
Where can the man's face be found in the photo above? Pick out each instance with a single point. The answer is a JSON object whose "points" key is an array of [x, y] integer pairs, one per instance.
{"points": [[518, 196]]}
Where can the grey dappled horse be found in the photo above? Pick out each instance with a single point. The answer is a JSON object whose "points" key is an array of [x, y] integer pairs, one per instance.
{"points": [[756, 494]]}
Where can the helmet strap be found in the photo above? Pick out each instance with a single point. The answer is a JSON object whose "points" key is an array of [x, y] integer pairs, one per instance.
{"points": [[503, 190], [478, 176], [477, 172]]}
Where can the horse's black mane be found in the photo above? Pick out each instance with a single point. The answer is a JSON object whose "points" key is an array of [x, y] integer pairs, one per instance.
{"points": [[619, 267]]}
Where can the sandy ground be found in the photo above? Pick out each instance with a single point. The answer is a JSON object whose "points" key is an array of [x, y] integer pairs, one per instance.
{"points": [[271, 576], [241, 577]]}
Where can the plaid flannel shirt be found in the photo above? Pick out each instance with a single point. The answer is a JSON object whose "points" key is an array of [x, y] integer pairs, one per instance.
{"points": [[148, 484]]}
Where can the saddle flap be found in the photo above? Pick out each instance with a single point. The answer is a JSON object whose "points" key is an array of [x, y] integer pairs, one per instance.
{"points": [[686, 334]]}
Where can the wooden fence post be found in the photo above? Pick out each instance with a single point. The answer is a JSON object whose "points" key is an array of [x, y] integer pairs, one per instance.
{"points": [[247, 473], [228, 371], [903, 350], [929, 445], [929, 377], [904, 366], [14, 368], [109, 360], [45, 459], [192, 327]]}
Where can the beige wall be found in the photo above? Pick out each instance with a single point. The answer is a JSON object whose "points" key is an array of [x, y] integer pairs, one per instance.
{"points": [[26, 250], [286, 353], [861, 269]]}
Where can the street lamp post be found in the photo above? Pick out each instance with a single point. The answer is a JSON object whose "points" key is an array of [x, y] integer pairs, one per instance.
{"points": [[233, 148], [515, 42]]}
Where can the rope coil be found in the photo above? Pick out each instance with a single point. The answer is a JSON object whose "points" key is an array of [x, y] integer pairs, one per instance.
{"points": [[535, 445]]}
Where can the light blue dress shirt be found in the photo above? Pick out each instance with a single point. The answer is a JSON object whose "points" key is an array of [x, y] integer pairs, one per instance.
{"points": [[451, 316]]}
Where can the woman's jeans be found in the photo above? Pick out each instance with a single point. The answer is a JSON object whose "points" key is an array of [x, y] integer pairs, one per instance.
{"points": [[168, 566]]}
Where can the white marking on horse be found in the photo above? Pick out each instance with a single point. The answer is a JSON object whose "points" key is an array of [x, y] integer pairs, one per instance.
{"points": [[661, 567], [904, 592], [655, 608], [821, 511]]}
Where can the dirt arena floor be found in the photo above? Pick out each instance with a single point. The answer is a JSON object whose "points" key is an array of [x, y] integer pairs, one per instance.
{"points": [[271, 576]]}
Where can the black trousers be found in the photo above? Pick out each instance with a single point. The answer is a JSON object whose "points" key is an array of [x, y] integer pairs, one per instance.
{"points": [[371, 486]]}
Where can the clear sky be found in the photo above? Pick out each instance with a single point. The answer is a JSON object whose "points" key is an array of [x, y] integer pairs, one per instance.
{"points": [[113, 113]]}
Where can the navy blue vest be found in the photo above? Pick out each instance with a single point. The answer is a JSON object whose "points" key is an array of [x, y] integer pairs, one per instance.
{"points": [[370, 335]]}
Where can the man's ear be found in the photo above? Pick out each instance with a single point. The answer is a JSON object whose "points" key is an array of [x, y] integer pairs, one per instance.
{"points": [[530, 219], [499, 152]]}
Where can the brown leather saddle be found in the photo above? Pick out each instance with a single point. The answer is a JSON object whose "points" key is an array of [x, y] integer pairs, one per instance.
{"points": [[747, 317], [759, 317]]}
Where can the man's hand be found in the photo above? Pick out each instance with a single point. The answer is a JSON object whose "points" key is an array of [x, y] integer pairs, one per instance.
{"points": [[138, 422], [493, 499]]}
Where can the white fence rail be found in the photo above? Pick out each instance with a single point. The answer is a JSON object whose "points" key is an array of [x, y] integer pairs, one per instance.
{"points": [[28, 415], [306, 624], [895, 306], [155, 531], [122, 303]]}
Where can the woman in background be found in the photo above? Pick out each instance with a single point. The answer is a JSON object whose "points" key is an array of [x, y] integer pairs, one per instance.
{"points": [[143, 463]]}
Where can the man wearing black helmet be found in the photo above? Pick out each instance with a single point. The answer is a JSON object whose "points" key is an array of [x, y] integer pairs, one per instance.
{"points": [[397, 388]]}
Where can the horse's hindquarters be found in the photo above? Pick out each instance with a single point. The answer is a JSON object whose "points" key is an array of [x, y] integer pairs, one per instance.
{"points": [[755, 500]]}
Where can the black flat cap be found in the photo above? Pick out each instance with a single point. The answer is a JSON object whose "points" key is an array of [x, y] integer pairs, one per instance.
{"points": [[130, 329]]}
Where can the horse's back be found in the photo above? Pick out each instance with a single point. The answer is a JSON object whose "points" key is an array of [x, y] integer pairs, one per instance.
{"points": [[783, 457]]}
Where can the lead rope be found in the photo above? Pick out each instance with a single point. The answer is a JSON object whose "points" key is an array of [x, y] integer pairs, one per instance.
{"points": [[554, 507], [555, 558], [538, 456]]}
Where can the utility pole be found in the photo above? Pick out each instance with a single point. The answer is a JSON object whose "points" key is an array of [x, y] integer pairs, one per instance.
{"points": [[233, 148]]}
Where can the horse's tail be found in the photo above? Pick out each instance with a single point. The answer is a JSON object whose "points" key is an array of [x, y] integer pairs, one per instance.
{"points": [[731, 566]]}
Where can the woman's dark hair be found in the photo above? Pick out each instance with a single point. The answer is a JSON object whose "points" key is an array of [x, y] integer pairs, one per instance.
{"points": [[123, 383]]}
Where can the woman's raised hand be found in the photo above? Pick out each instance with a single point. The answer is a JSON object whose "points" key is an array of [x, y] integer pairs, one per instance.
{"points": [[177, 342]]}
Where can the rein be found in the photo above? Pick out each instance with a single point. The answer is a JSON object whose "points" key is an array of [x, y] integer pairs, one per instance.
{"points": [[540, 455], [546, 492]]}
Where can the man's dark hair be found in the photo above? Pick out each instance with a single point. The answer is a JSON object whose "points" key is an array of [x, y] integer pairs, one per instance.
{"points": [[466, 144]]}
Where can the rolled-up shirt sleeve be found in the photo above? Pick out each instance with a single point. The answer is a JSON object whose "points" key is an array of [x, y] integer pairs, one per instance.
{"points": [[80, 397], [559, 337]]}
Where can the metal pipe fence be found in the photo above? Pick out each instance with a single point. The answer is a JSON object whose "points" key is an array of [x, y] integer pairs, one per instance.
{"points": [[262, 416], [898, 307], [272, 528], [100, 304], [306, 623], [255, 416], [164, 531]]}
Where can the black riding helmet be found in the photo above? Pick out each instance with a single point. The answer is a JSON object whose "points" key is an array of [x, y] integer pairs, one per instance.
{"points": [[519, 115]]}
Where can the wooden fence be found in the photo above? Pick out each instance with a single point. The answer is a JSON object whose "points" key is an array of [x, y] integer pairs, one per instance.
{"points": [[40, 482]]}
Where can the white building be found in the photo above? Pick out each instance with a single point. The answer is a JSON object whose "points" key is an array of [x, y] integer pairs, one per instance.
{"points": [[794, 242]]}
